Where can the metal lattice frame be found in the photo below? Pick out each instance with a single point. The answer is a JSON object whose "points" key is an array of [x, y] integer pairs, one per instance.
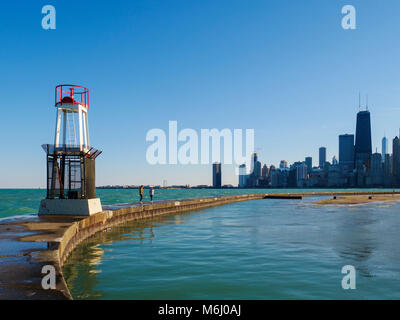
{"points": [[70, 172]]}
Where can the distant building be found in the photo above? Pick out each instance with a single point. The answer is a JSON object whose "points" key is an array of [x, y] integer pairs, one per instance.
{"points": [[279, 177], [254, 159], [384, 148], [271, 168], [396, 161], [376, 171], [217, 175], [363, 145], [317, 178], [308, 162], [257, 170], [283, 164], [263, 181], [335, 179], [326, 167], [361, 170], [334, 161], [322, 157], [264, 171], [387, 171], [292, 176], [297, 175], [346, 153], [255, 174], [274, 177], [242, 176], [301, 174], [255, 166]]}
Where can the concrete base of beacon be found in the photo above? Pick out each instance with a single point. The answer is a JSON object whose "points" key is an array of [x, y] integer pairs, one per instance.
{"points": [[70, 207]]}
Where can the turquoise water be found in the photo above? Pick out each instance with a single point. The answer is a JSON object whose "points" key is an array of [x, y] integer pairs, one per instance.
{"points": [[262, 249], [14, 202]]}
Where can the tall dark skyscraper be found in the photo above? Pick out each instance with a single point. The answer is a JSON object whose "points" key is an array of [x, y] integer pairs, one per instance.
{"points": [[396, 160], [363, 146], [256, 166], [217, 175], [322, 157], [308, 162], [346, 152]]}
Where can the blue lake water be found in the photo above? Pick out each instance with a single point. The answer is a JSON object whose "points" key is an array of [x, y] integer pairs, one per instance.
{"points": [[15, 202], [262, 249]]}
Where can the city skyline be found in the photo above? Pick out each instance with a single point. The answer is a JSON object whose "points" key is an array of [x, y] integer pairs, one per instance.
{"points": [[357, 166], [273, 66]]}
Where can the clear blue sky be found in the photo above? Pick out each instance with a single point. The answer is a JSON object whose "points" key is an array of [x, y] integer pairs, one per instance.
{"points": [[283, 67]]}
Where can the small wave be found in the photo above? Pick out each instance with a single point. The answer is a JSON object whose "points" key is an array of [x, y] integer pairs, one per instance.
{"points": [[18, 218]]}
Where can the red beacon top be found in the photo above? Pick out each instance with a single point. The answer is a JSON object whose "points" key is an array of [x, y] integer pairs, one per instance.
{"points": [[72, 94]]}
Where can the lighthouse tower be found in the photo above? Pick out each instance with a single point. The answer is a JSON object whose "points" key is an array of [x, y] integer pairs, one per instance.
{"points": [[71, 188]]}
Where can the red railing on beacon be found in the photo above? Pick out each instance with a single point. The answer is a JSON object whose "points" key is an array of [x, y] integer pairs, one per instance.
{"points": [[70, 93]]}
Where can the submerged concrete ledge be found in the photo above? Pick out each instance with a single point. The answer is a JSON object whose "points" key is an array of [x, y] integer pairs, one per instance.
{"points": [[30, 242], [359, 199]]}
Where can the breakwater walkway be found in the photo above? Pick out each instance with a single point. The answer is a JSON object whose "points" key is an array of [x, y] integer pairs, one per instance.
{"points": [[28, 243]]}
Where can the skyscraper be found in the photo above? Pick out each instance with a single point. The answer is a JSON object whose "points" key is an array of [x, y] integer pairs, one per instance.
{"points": [[256, 166], [346, 152], [396, 161], [322, 157], [242, 176], [308, 162], [257, 169], [217, 175], [384, 148], [254, 159], [387, 170], [264, 171], [363, 146], [376, 169], [301, 174]]}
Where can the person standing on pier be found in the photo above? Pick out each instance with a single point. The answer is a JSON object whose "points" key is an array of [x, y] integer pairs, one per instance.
{"points": [[141, 193], [151, 192]]}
